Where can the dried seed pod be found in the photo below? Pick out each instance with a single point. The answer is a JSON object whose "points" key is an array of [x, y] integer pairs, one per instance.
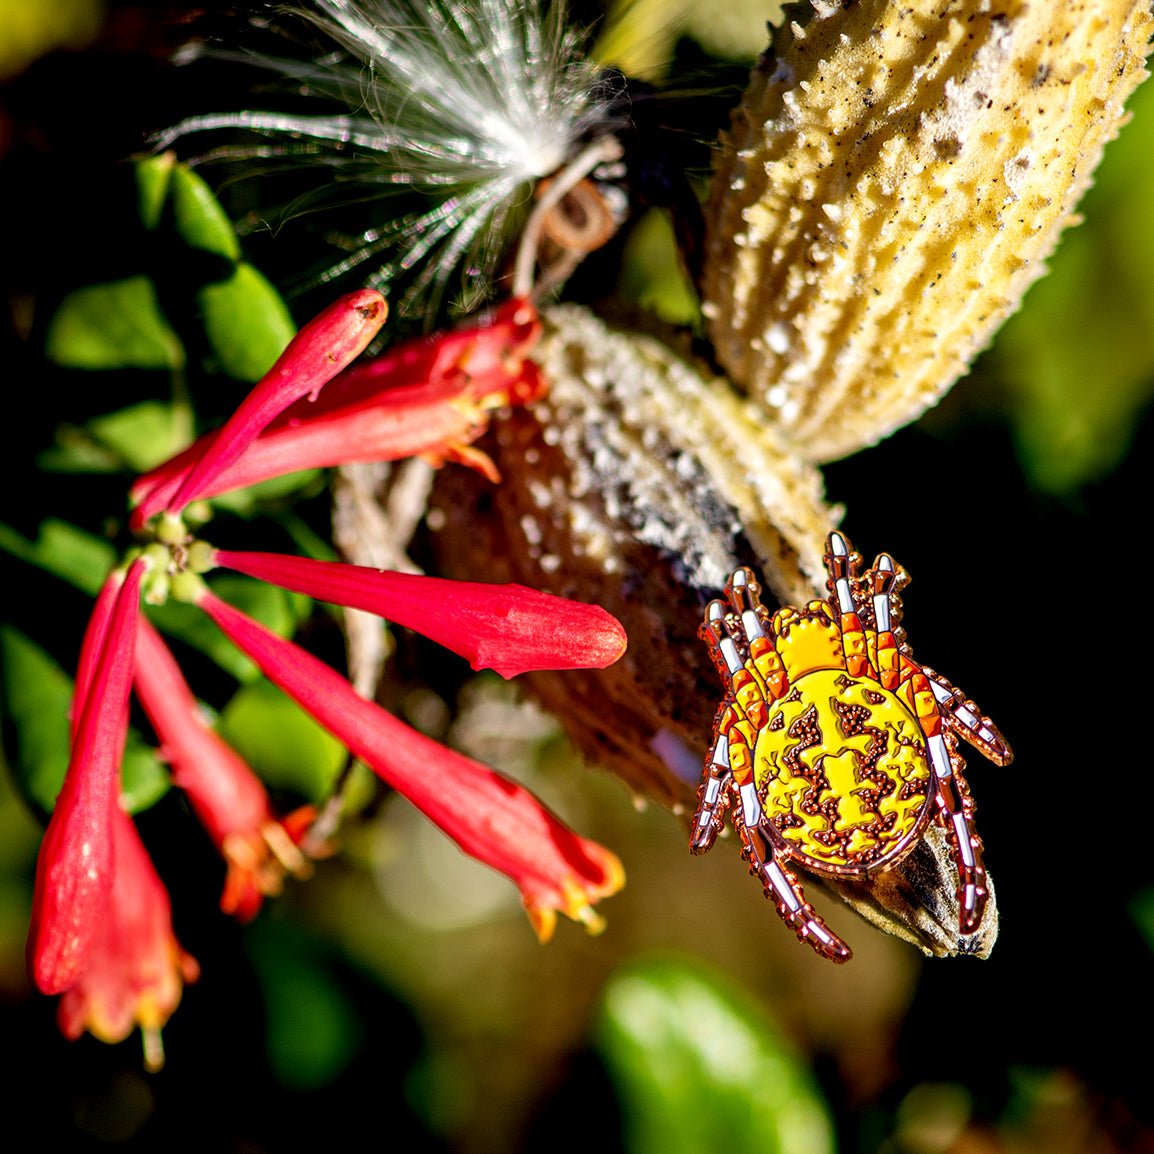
{"points": [[638, 484], [890, 185]]}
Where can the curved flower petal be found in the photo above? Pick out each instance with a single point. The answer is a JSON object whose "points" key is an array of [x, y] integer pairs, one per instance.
{"points": [[93, 643], [429, 397], [136, 970], [230, 800], [74, 867], [313, 357], [490, 817], [509, 628]]}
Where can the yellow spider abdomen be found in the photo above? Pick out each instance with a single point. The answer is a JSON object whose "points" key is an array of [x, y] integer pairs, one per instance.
{"points": [[842, 773]]}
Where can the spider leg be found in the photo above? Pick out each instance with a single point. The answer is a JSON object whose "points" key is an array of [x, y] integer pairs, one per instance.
{"points": [[953, 802], [714, 795], [966, 720], [750, 669], [842, 564], [783, 889], [885, 580]]}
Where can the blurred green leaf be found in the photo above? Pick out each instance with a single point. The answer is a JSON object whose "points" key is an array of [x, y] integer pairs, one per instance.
{"points": [[1078, 360], [144, 777], [141, 435], [33, 28], [653, 275], [1142, 911], [200, 220], [117, 325], [153, 179], [37, 698], [37, 701], [280, 610], [312, 1029], [64, 550], [698, 1066], [254, 501], [286, 746], [247, 322]]}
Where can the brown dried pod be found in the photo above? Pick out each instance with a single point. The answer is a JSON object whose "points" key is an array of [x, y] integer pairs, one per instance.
{"points": [[640, 483], [892, 182]]}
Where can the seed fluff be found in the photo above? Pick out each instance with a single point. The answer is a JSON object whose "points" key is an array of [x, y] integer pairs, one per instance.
{"points": [[465, 103]]}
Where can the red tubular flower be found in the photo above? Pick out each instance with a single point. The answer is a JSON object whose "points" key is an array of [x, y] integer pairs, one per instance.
{"points": [[509, 628], [93, 644], [313, 357], [490, 817], [429, 398], [228, 797], [74, 868], [135, 970]]}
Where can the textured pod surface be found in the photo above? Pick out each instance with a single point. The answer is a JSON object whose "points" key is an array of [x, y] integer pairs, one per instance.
{"points": [[890, 185], [640, 483]]}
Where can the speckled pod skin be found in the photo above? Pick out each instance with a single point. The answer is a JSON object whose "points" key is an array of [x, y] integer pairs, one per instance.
{"points": [[638, 483], [892, 182]]}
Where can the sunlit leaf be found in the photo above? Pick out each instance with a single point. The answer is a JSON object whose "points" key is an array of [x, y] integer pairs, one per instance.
{"points": [[281, 611], [653, 275], [1077, 362], [141, 435], [247, 322], [200, 220], [117, 325], [699, 1066], [153, 178], [287, 747]]}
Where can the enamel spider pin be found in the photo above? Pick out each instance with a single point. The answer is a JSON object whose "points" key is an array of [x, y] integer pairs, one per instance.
{"points": [[832, 747]]}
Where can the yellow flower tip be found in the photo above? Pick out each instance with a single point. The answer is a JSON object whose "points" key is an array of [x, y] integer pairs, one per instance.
{"points": [[576, 898], [543, 919], [614, 874], [594, 923]]}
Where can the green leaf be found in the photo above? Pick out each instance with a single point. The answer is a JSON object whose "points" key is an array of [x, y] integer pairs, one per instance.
{"points": [[144, 777], [153, 178], [117, 325], [313, 1029], [37, 702], [247, 322], [37, 698], [280, 610], [65, 551], [653, 275], [200, 220], [284, 744], [1077, 362], [256, 499], [1142, 911], [142, 435], [698, 1066]]}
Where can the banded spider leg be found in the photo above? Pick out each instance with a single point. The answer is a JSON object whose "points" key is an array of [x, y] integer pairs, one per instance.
{"points": [[737, 633]]}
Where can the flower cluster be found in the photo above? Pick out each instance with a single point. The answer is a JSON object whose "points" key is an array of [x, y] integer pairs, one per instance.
{"points": [[101, 931]]}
